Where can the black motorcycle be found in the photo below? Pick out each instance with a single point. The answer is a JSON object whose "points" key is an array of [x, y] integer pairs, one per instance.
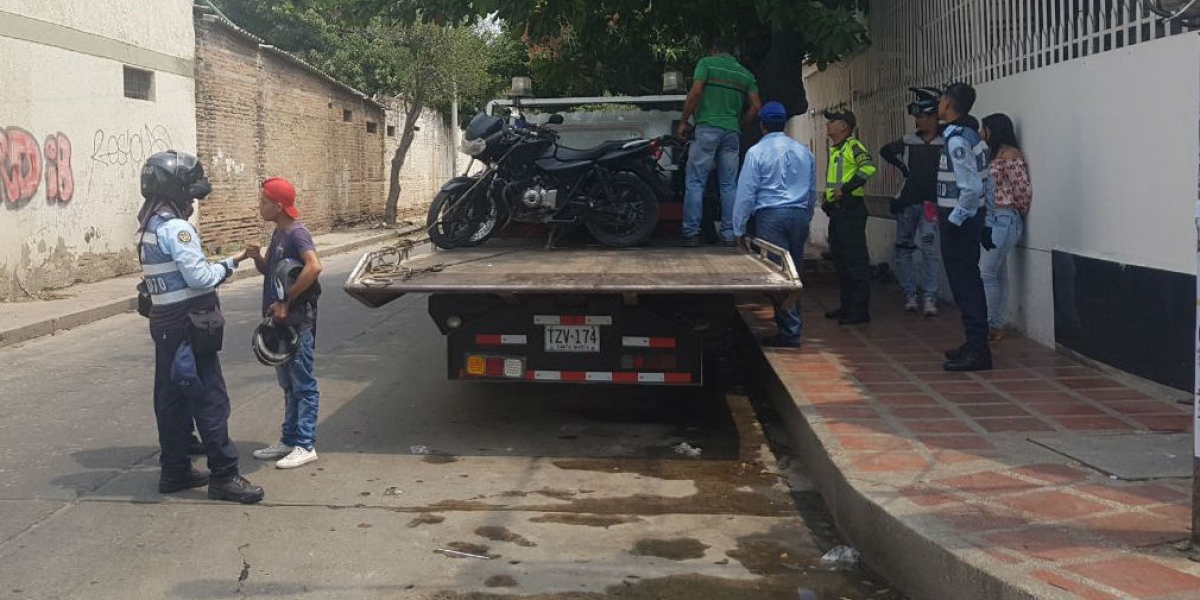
{"points": [[530, 178]]}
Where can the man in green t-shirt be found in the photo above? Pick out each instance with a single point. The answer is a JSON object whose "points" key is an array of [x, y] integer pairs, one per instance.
{"points": [[724, 95]]}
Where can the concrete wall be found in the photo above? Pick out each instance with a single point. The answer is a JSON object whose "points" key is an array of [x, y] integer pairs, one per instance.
{"points": [[71, 143], [1113, 165], [431, 160], [262, 113], [1112, 141]]}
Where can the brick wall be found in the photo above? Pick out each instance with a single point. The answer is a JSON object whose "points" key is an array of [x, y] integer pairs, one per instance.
{"points": [[261, 113]]}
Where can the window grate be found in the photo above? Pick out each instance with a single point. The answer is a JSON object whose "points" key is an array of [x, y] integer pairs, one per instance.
{"points": [[139, 84]]}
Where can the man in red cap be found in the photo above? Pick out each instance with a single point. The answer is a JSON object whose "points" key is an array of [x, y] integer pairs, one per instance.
{"points": [[296, 308]]}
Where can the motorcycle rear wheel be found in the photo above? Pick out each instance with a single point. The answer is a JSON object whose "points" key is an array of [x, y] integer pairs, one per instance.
{"points": [[629, 218]]}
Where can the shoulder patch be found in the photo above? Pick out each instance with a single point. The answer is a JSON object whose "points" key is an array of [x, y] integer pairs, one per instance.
{"points": [[185, 237]]}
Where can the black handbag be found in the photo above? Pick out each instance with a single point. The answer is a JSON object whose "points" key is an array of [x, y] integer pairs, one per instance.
{"points": [[206, 330]]}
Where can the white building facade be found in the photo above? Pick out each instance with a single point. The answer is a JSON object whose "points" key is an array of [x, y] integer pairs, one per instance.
{"points": [[1106, 100], [90, 90]]}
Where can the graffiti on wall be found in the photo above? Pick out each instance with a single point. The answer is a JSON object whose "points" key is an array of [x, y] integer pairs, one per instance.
{"points": [[23, 162], [129, 147]]}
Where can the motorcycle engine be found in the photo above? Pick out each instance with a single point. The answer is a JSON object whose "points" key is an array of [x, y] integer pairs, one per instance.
{"points": [[537, 197]]}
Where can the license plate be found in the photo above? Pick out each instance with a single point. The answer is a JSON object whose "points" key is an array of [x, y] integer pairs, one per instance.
{"points": [[563, 338]]}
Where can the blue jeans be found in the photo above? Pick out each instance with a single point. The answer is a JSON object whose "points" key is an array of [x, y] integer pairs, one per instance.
{"points": [[993, 264], [914, 233], [301, 400], [723, 146], [787, 228]]}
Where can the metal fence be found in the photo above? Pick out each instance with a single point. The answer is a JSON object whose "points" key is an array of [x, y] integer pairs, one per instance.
{"points": [[936, 42]]}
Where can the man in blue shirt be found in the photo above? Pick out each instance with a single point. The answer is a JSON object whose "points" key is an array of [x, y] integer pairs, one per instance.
{"points": [[778, 188], [965, 195]]}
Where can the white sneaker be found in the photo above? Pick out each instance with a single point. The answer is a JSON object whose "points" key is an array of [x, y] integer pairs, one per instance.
{"points": [[275, 451], [298, 458], [931, 309], [910, 305]]}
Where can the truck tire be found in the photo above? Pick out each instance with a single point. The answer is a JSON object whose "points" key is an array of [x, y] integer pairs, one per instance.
{"points": [[470, 224], [633, 217]]}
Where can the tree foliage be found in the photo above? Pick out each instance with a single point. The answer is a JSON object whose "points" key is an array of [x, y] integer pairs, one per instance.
{"points": [[593, 47]]}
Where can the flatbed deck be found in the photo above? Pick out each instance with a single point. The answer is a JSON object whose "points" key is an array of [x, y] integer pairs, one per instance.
{"points": [[518, 267]]}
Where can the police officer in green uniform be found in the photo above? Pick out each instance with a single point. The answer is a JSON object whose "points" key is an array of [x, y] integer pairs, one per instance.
{"points": [[850, 166]]}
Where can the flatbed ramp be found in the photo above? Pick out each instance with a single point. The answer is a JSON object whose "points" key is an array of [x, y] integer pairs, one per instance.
{"points": [[523, 268]]}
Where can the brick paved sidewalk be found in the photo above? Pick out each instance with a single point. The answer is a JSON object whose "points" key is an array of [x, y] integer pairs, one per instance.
{"points": [[948, 454]]}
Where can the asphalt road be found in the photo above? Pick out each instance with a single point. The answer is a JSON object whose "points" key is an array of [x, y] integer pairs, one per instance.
{"points": [[571, 492]]}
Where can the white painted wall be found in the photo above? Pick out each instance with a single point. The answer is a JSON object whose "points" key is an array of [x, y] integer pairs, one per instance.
{"points": [[77, 91], [1112, 140], [431, 160]]}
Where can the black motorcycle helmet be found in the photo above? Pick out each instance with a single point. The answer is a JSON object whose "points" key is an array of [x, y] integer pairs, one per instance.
{"points": [[176, 176]]}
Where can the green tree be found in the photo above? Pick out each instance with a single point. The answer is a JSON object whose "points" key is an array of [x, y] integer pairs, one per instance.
{"points": [[623, 46]]}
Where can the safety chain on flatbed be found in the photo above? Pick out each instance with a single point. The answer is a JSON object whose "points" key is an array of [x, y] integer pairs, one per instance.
{"points": [[384, 266]]}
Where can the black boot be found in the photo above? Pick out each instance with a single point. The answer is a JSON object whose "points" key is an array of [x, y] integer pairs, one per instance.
{"points": [[854, 319], [235, 489], [956, 353], [969, 361], [835, 313], [169, 484]]}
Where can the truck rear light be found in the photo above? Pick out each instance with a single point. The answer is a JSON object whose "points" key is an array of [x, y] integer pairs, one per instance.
{"points": [[507, 367]]}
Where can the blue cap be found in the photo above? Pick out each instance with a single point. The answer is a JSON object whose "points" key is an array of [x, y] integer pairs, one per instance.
{"points": [[773, 112]]}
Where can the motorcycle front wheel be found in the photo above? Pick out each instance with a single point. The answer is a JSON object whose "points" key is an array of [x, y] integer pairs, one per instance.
{"points": [[628, 217], [458, 222]]}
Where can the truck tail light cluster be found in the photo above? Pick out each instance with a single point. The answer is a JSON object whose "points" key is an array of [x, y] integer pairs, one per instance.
{"points": [[505, 367]]}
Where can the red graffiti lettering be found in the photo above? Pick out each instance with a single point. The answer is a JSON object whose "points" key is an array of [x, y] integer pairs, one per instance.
{"points": [[60, 180], [20, 165]]}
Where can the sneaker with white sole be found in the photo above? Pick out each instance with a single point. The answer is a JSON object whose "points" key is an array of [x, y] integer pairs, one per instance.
{"points": [[275, 451], [910, 304], [931, 309], [298, 458]]}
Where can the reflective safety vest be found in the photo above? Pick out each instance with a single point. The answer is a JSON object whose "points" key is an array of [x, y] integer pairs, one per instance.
{"points": [[163, 279], [947, 184], [847, 161]]}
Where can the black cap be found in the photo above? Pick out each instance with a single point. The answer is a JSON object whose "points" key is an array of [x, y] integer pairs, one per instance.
{"points": [[842, 115]]}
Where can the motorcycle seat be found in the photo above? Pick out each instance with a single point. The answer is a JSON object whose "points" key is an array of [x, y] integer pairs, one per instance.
{"points": [[564, 153]]}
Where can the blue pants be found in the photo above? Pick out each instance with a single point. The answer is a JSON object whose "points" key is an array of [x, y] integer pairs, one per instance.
{"points": [[175, 413], [960, 253], [787, 228], [723, 146], [914, 233], [993, 264], [301, 399]]}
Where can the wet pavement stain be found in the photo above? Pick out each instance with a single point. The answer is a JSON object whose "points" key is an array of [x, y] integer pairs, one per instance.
{"points": [[604, 521], [439, 459], [677, 549], [698, 587], [500, 581], [426, 519], [502, 534], [468, 548]]}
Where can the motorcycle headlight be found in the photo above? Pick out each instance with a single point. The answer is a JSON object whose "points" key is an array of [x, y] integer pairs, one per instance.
{"points": [[474, 147]]}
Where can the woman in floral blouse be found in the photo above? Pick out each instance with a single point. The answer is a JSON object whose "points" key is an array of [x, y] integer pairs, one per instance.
{"points": [[1013, 197]]}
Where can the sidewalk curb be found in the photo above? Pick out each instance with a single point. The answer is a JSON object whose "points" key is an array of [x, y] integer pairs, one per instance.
{"points": [[918, 565], [129, 304]]}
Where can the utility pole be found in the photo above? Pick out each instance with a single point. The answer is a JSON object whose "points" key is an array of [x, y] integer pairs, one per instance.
{"points": [[454, 141], [1195, 550]]}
